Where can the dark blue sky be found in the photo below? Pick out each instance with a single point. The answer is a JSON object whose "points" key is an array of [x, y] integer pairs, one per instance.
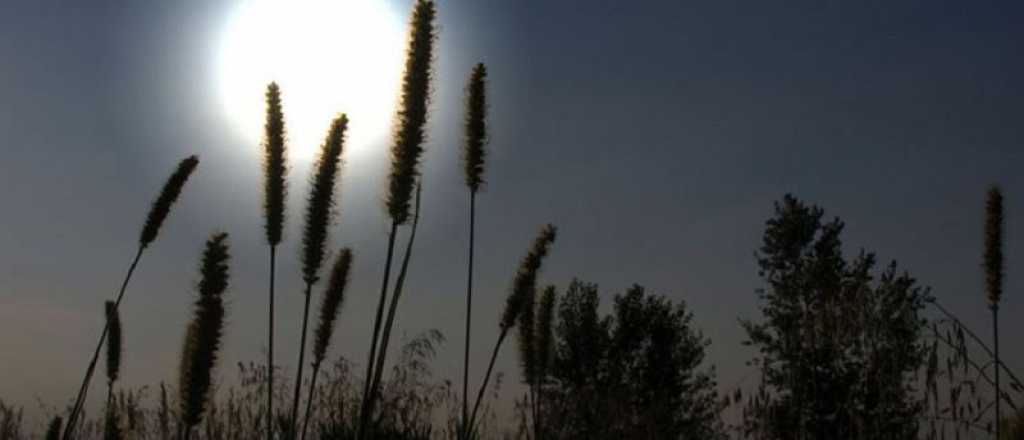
{"points": [[656, 135]]}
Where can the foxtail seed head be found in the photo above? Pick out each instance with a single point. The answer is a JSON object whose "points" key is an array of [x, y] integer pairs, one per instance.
{"points": [[331, 303], [168, 195], [274, 166], [412, 112], [320, 204], [203, 335], [475, 127], [525, 282], [114, 341], [994, 245]]}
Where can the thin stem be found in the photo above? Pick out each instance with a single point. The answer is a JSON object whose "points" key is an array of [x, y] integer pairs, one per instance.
{"points": [[309, 401], [487, 378], [302, 353], [976, 339], [364, 414], [378, 371], [270, 349], [995, 337], [469, 316], [84, 389], [970, 362]]}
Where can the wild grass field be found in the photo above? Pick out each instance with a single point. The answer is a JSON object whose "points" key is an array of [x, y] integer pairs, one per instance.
{"points": [[847, 347]]}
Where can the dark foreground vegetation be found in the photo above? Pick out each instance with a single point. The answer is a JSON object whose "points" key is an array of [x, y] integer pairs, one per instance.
{"points": [[847, 347]]}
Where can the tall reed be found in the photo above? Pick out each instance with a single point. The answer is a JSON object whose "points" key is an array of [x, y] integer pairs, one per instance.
{"points": [[203, 334], [409, 135], [319, 209], [993, 262], [523, 286], [157, 215], [473, 160], [329, 306], [274, 194]]}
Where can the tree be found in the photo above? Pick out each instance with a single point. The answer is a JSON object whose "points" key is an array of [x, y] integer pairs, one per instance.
{"points": [[837, 348], [635, 374]]}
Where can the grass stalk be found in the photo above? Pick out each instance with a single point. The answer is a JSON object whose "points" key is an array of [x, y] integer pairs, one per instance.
{"points": [[471, 426], [526, 338], [154, 220], [270, 347], [112, 430], [392, 309], [274, 193], [309, 400], [298, 375], [203, 335], [314, 239], [523, 286], [464, 431], [410, 121], [993, 263], [545, 347], [329, 306], [473, 157], [364, 411]]}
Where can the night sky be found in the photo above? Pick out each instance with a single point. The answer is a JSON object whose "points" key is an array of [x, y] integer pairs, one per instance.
{"points": [[656, 136]]}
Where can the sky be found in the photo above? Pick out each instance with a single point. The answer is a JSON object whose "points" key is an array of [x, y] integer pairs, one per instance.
{"points": [[655, 135]]}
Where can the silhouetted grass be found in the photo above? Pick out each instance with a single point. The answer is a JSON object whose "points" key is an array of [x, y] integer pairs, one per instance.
{"points": [[168, 195], [410, 119], [319, 208], [993, 263], [112, 428], [409, 397], [157, 215], [473, 160], [114, 344], [203, 335], [526, 342], [475, 126], [274, 166], [524, 285], [544, 341], [329, 306], [274, 195], [395, 296], [994, 245]]}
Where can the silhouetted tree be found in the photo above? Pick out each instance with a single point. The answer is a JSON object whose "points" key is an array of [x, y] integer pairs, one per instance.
{"points": [[837, 348], [635, 374]]}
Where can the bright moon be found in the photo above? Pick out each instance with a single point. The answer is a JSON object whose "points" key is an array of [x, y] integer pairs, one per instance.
{"points": [[329, 57]]}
